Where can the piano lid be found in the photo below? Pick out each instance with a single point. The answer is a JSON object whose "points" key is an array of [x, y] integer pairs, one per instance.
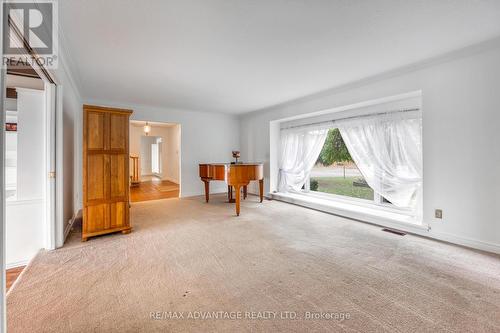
{"points": [[239, 163]]}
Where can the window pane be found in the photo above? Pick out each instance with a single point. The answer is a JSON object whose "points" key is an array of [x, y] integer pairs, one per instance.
{"points": [[336, 173]]}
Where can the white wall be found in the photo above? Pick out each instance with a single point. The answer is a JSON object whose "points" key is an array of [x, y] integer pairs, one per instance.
{"points": [[461, 130], [25, 230], [135, 134], [205, 137], [172, 147], [70, 142]]}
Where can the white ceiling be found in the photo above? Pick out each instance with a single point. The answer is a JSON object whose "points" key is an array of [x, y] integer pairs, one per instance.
{"points": [[236, 56]]}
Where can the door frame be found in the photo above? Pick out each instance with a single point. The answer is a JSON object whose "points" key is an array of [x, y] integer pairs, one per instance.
{"points": [[3, 312], [54, 150], [50, 158], [53, 125]]}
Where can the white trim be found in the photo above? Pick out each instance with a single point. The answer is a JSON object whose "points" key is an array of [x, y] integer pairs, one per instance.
{"points": [[17, 264], [30, 90], [69, 225], [359, 202], [50, 161], [384, 220], [3, 312], [365, 213], [465, 241], [65, 63], [59, 168], [25, 202]]}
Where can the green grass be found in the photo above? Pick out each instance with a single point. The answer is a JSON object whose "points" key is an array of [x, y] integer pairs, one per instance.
{"points": [[343, 186]]}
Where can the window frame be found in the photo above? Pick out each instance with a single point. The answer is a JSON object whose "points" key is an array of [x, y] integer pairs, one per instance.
{"points": [[378, 200], [356, 201]]}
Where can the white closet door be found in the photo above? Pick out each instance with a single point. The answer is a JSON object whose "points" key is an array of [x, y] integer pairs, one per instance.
{"points": [[26, 216]]}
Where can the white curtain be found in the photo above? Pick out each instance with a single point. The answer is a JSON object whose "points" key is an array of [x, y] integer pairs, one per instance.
{"points": [[388, 151], [300, 148]]}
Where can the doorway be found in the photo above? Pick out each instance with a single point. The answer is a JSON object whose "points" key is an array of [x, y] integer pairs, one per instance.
{"points": [[29, 163], [154, 160]]}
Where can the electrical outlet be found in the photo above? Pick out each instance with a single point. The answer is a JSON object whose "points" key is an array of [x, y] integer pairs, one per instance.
{"points": [[438, 213]]}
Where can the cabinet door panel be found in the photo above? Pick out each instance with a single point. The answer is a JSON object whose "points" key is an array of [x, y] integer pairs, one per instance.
{"points": [[96, 177], [118, 214], [118, 176], [118, 131], [97, 218], [96, 130]]}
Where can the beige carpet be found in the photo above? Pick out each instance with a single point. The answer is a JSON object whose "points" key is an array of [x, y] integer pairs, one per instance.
{"points": [[274, 262]]}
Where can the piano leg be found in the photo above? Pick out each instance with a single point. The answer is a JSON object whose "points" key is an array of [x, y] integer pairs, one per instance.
{"points": [[244, 192], [207, 189], [237, 189], [261, 189], [230, 194]]}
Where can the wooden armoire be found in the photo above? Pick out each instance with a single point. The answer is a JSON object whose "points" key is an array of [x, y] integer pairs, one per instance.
{"points": [[105, 171]]}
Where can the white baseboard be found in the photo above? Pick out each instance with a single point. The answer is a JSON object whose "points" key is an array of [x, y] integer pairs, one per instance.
{"points": [[70, 223], [464, 241], [15, 264], [420, 230]]}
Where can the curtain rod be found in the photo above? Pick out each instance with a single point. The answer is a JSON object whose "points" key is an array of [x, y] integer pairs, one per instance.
{"points": [[353, 117]]}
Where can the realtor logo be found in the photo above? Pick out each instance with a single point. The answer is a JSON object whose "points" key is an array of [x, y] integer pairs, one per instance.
{"points": [[30, 33]]}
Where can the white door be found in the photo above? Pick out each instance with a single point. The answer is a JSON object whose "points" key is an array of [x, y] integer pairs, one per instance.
{"points": [[26, 211]]}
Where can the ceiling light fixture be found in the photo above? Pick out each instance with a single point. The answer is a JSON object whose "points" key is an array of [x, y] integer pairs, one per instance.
{"points": [[147, 128]]}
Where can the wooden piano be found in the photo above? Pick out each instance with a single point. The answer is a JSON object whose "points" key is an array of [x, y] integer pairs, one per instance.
{"points": [[237, 176]]}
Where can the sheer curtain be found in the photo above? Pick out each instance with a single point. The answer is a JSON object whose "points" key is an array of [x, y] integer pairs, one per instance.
{"points": [[300, 148], [388, 152]]}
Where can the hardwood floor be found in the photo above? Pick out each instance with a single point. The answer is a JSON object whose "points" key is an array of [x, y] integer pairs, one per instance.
{"points": [[154, 190], [11, 276]]}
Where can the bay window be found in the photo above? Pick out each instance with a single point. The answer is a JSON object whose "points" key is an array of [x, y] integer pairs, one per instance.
{"points": [[373, 158]]}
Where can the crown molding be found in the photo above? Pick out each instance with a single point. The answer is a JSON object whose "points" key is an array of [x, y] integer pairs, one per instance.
{"points": [[64, 59], [67, 66]]}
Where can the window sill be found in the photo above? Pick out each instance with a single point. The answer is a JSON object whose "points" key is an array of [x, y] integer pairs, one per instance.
{"points": [[391, 218], [357, 202]]}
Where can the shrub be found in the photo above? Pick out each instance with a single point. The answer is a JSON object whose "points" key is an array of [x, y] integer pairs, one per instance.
{"points": [[313, 185]]}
